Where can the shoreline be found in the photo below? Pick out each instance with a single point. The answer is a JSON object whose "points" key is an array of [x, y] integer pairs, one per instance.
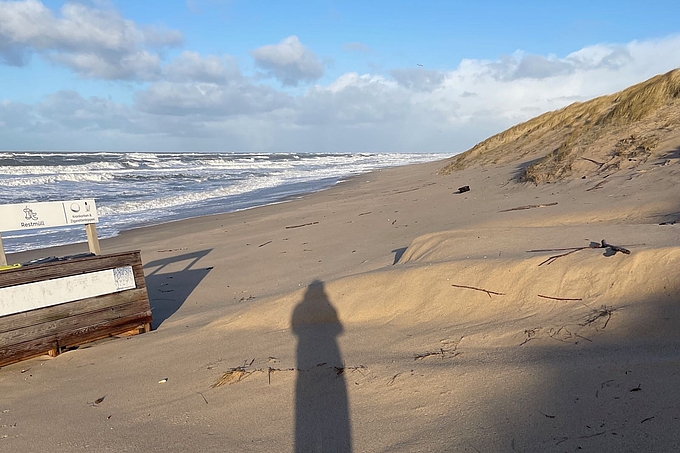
{"points": [[226, 207], [198, 220]]}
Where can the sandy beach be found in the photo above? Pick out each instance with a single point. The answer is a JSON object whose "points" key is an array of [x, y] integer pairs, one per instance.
{"points": [[390, 313]]}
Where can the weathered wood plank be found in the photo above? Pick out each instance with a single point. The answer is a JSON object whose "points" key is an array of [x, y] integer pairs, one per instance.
{"points": [[93, 239], [36, 332], [18, 352], [57, 312], [72, 323], [39, 346], [48, 271], [3, 258], [103, 330]]}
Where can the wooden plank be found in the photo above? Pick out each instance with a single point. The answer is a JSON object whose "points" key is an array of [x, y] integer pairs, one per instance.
{"points": [[48, 271], [22, 351], [58, 312], [72, 323], [92, 239], [18, 352], [103, 330]]}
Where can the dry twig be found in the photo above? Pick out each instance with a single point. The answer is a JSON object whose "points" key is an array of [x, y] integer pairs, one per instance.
{"points": [[598, 185], [391, 381], [593, 245], [301, 225], [443, 353], [600, 313], [593, 161], [488, 293], [530, 335], [563, 335], [557, 298]]}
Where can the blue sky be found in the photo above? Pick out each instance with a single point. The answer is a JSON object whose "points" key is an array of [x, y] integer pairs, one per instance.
{"points": [[231, 75]]}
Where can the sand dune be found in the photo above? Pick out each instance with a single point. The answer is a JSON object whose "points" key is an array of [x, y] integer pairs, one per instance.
{"points": [[391, 313]]}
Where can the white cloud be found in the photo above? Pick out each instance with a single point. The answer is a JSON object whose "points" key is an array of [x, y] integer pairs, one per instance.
{"points": [[192, 67], [209, 100], [92, 42], [205, 102], [418, 79], [15, 116], [289, 61]]}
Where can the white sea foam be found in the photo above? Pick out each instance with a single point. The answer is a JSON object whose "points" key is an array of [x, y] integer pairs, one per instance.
{"points": [[143, 188]]}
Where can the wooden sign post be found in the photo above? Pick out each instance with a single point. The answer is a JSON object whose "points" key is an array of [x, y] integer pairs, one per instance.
{"points": [[3, 258]]}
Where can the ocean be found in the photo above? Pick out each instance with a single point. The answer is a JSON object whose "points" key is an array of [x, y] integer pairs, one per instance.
{"points": [[133, 190]]}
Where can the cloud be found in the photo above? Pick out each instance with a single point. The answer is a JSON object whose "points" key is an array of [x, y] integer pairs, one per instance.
{"points": [[68, 110], [97, 43], [15, 116], [418, 79], [289, 61], [209, 100], [354, 99], [529, 66], [204, 102], [192, 67]]}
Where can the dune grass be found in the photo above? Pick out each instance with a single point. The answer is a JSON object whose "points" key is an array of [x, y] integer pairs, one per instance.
{"points": [[568, 131]]}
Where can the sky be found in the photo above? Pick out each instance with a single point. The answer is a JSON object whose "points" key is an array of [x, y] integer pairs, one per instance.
{"points": [[311, 76]]}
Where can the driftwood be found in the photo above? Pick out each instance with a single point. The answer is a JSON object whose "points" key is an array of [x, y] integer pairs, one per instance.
{"points": [[593, 161], [529, 206], [569, 250], [598, 185], [301, 225]]}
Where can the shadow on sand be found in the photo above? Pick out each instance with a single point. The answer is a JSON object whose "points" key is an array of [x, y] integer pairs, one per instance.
{"points": [[169, 282], [322, 422]]}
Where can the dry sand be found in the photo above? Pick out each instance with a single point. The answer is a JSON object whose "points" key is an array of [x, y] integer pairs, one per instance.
{"points": [[388, 314]]}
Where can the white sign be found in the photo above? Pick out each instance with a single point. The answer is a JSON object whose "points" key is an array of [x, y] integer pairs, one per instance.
{"points": [[25, 216], [30, 296]]}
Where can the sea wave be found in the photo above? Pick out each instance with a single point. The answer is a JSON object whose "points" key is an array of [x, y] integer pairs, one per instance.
{"points": [[138, 188]]}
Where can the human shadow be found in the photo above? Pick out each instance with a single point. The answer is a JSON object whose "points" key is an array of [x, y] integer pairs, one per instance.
{"points": [[170, 281], [322, 422]]}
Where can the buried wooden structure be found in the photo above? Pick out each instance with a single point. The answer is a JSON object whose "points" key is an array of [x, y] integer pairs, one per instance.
{"points": [[49, 305], [115, 302]]}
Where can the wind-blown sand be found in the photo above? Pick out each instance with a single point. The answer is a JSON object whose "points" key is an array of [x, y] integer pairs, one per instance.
{"points": [[389, 313]]}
